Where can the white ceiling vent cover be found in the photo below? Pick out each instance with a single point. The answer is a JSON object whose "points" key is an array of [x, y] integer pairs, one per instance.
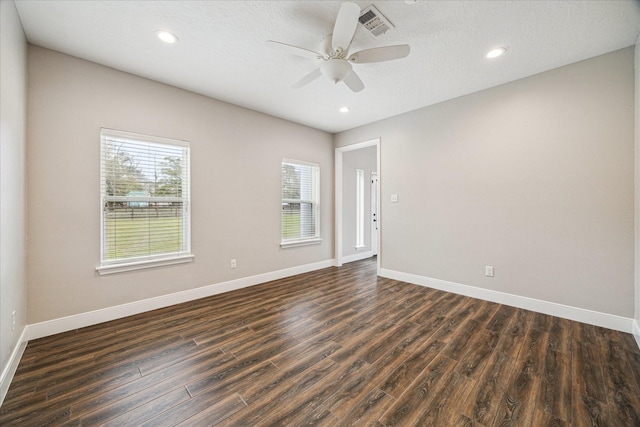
{"points": [[374, 21]]}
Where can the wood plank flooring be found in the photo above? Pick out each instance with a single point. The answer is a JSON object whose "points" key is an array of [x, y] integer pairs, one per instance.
{"points": [[336, 347]]}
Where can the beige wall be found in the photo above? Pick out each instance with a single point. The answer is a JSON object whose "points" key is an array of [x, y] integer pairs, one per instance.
{"points": [[534, 177], [365, 159], [13, 99], [235, 161]]}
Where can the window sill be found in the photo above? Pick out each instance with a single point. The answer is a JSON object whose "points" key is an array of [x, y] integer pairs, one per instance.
{"points": [[140, 265], [294, 243]]}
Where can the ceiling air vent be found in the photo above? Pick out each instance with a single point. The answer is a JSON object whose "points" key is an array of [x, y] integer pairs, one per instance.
{"points": [[374, 21]]}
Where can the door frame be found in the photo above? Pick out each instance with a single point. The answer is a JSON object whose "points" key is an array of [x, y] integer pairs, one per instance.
{"points": [[338, 197], [374, 223]]}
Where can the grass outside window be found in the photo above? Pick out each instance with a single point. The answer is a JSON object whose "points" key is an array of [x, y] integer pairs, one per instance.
{"points": [[134, 233]]}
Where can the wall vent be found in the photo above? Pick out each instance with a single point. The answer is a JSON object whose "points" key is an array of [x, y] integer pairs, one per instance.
{"points": [[374, 21]]}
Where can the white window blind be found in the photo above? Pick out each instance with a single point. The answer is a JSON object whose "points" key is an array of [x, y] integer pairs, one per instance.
{"points": [[145, 198], [300, 201]]}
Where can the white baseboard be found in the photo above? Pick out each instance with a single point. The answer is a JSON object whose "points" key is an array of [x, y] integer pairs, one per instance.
{"points": [[10, 369], [51, 327], [64, 324], [357, 257], [610, 321]]}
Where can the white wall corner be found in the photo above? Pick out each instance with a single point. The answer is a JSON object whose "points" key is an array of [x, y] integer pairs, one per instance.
{"points": [[636, 328], [604, 320], [12, 365]]}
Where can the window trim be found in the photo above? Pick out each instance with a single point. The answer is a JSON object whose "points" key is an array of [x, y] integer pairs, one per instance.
{"points": [[300, 242], [147, 261], [313, 240], [164, 260]]}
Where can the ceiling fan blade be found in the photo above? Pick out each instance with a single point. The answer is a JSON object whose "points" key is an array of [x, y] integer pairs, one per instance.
{"points": [[353, 82], [345, 26], [295, 50], [307, 79], [380, 54]]}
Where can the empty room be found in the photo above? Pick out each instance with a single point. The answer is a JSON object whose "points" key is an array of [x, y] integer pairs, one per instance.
{"points": [[336, 213]]}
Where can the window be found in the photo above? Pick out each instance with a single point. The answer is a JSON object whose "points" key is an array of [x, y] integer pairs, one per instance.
{"points": [[359, 209], [300, 203], [145, 201]]}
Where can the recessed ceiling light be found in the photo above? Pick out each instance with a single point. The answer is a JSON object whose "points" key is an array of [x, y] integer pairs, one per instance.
{"points": [[494, 53], [167, 37], [344, 109]]}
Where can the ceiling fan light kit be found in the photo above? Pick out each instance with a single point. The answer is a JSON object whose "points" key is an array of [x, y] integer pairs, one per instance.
{"points": [[336, 62], [336, 69]]}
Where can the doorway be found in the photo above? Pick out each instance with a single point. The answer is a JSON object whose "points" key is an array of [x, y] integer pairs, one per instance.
{"points": [[343, 229]]}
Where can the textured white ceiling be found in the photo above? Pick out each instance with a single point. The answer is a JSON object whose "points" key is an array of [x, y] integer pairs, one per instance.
{"points": [[222, 54]]}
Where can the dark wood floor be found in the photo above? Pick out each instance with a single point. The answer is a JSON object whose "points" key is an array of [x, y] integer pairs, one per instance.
{"points": [[333, 347]]}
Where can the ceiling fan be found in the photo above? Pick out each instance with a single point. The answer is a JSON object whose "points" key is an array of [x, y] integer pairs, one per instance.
{"points": [[336, 61]]}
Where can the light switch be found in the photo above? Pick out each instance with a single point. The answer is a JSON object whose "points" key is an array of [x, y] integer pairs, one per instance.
{"points": [[394, 198]]}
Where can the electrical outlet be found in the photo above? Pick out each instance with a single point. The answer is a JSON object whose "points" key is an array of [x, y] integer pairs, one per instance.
{"points": [[233, 263], [13, 320], [488, 270], [394, 198]]}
